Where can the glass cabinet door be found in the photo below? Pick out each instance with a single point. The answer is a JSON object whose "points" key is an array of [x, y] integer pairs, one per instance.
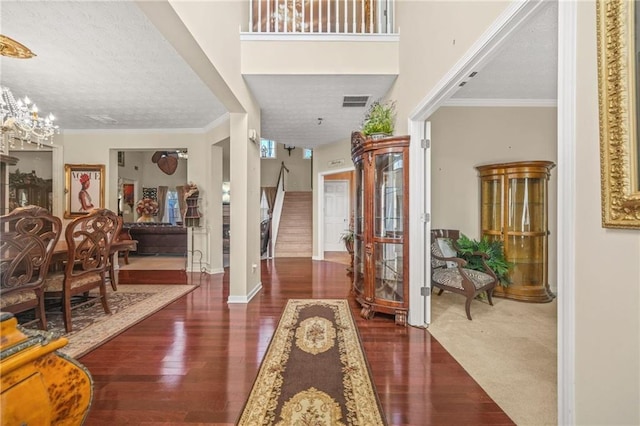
{"points": [[491, 214], [526, 230], [388, 196], [388, 226], [389, 274], [526, 205]]}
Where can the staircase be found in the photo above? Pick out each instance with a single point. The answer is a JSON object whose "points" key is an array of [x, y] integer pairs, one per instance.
{"points": [[294, 233]]}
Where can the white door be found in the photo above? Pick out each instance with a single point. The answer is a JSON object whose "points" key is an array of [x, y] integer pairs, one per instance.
{"points": [[336, 213]]}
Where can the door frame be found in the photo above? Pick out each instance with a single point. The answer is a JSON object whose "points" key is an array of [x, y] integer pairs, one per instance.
{"points": [[349, 189], [320, 208], [514, 15]]}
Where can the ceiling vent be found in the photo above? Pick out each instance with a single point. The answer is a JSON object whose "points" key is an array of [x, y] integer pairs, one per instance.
{"points": [[355, 101]]}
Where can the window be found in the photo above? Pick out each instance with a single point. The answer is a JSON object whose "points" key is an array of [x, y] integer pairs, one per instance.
{"points": [[267, 148], [307, 153], [172, 209]]}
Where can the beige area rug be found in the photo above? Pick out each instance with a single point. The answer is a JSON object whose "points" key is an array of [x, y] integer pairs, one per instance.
{"points": [[129, 305], [157, 263], [314, 371], [510, 349]]}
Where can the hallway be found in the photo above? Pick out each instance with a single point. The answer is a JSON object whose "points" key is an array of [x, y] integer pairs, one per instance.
{"points": [[196, 359]]}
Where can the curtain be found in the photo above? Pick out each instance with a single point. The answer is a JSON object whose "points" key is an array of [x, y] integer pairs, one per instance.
{"points": [[162, 202], [181, 201]]}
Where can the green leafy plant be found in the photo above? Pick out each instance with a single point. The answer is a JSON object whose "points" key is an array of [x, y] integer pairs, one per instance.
{"points": [[347, 237], [496, 261], [380, 118]]}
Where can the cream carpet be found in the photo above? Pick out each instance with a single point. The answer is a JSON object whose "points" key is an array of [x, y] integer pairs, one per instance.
{"points": [[510, 349]]}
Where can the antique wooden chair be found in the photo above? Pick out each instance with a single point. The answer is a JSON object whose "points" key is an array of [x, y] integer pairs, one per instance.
{"points": [[448, 271], [89, 239], [28, 237]]}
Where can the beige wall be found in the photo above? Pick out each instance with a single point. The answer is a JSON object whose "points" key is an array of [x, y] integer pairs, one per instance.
{"points": [[38, 161], [215, 28], [327, 159], [607, 312], [464, 137], [434, 35], [299, 176]]}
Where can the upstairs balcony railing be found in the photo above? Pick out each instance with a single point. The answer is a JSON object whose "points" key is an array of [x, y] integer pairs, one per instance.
{"points": [[321, 17]]}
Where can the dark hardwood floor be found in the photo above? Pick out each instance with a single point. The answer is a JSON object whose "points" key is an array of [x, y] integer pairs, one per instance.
{"points": [[194, 362]]}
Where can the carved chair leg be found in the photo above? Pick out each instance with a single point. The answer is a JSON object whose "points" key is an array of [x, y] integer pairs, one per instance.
{"points": [[41, 313], [66, 311], [489, 294], [103, 298], [440, 292], [126, 257], [467, 307], [112, 278]]}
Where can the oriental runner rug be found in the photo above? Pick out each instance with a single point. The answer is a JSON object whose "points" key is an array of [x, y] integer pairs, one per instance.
{"points": [[314, 371]]}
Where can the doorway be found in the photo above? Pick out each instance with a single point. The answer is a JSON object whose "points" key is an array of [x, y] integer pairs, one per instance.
{"points": [[336, 213]]}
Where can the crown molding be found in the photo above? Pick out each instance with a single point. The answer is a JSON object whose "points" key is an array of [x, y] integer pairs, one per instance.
{"points": [[469, 102]]}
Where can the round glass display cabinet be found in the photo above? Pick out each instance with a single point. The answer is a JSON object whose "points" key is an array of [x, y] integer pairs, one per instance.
{"points": [[513, 209], [381, 252]]}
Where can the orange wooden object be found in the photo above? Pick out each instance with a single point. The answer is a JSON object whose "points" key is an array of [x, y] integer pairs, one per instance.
{"points": [[40, 386]]}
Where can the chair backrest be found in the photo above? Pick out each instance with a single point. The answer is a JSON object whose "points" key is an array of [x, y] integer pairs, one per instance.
{"points": [[89, 239], [28, 237], [437, 249]]}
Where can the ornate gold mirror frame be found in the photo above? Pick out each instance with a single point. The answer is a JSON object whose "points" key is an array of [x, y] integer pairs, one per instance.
{"points": [[617, 85]]}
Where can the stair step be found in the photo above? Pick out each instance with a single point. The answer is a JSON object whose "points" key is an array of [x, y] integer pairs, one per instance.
{"points": [[296, 222]]}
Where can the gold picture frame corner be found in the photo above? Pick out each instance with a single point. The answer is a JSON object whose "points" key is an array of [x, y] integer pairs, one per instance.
{"points": [[618, 83]]}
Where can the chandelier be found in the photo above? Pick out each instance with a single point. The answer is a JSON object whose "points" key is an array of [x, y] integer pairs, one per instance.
{"points": [[22, 124]]}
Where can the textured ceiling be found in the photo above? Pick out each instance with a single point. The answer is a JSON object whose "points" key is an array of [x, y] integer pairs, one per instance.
{"points": [[102, 59], [525, 68], [293, 105], [106, 59]]}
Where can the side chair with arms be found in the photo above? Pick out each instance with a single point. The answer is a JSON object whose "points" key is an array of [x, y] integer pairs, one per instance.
{"points": [[88, 239], [28, 237], [448, 271]]}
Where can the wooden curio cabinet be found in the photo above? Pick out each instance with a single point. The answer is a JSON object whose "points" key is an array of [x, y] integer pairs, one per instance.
{"points": [[513, 208], [381, 249]]}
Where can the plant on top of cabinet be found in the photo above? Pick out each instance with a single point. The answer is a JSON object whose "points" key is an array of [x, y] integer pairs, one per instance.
{"points": [[379, 119]]}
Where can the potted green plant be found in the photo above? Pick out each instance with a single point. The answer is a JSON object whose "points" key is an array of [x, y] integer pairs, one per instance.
{"points": [[379, 119], [347, 237], [496, 261]]}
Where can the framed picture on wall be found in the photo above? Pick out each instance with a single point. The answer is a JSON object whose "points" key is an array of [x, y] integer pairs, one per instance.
{"points": [[121, 158], [84, 187]]}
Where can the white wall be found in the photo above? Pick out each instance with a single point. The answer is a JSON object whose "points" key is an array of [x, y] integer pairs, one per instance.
{"points": [[336, 157], [38, 161], [299, 176], [607, 317]]}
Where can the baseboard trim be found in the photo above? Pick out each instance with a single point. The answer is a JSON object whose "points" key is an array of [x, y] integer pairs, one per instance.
{"points": [[247, 298]]}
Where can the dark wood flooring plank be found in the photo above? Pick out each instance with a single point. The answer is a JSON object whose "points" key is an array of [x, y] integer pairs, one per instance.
{"points": [[195, 360]]}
